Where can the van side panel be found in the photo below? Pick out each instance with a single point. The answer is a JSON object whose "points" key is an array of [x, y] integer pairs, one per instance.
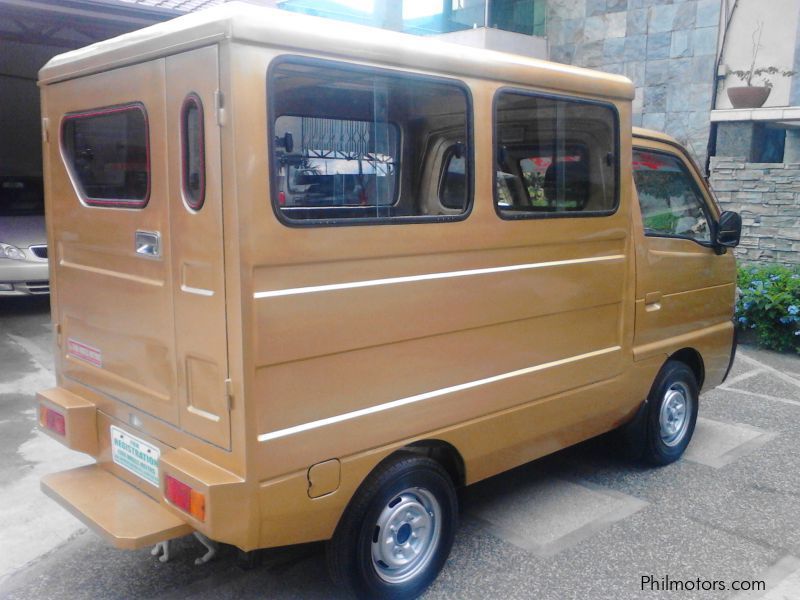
{"points": [[479, 332]]}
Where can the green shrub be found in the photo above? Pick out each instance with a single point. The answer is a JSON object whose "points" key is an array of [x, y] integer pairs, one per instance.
{"points": [[769, 305]]}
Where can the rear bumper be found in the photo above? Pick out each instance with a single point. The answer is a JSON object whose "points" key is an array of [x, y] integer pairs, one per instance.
{"points": [[107, 497], [124, 516]]}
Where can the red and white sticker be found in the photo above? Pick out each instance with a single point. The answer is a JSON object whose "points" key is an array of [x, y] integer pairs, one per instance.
{"points": [[84, 352]]}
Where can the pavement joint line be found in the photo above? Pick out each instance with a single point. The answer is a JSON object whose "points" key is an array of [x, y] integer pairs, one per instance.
{"points": [[630, 506], [774, 576], [779, 374], [742, 377], [763, 396], [738, 451]]}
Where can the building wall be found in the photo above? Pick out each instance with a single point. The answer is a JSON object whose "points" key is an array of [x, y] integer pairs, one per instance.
{"points": [[767, 196], [668, 50], [778, 45]]}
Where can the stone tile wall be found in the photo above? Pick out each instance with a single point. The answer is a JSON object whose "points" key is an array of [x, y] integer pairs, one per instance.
{"points": [[767, 196], [667, 47]]}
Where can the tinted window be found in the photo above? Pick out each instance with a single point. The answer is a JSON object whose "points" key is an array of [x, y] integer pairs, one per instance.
{"points": [[193, 143], [670, 200], [107, 153], [21, 196], [352, 144], [554, 156]]}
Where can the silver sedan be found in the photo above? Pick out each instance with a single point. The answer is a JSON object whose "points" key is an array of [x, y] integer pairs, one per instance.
{"points": [[23, 237]]}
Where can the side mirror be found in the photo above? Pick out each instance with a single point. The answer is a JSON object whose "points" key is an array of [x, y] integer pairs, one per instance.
{"points": [[729, 229]]}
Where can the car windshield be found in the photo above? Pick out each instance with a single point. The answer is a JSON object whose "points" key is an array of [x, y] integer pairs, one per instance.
{"points": [[21, 196]]}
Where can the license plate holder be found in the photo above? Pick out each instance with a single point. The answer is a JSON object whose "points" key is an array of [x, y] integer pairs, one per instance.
{"points": [[135, 455]]}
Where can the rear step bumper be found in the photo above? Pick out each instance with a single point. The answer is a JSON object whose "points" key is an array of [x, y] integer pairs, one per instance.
{"points": [[123, 515]]}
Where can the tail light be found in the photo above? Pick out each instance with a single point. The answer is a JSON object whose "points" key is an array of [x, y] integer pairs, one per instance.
{"points": [[184, 497], [52, 420], [282, 198]]}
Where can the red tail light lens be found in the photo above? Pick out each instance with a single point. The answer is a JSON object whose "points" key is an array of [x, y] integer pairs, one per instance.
{"points": [[184, 497], [52, 420], [282, 198]]}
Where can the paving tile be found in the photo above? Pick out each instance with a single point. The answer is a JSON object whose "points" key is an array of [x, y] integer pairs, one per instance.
{"points": [[782, 579], [717, 444], [547, 515]]}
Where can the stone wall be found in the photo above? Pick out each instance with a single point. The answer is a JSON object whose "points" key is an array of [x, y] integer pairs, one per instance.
{"points": [[767, 196], [667, 47]]}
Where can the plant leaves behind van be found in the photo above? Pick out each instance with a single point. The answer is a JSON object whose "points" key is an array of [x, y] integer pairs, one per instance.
{"points": [[769, 306]]}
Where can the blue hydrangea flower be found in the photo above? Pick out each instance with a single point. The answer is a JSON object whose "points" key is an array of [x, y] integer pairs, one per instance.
{"points": [[785, 320], [793, 310], [747, 305], [743, 320], [774, 277]]}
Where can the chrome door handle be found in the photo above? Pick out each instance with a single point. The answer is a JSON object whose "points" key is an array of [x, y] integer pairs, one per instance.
{"points": [[148, 244]]}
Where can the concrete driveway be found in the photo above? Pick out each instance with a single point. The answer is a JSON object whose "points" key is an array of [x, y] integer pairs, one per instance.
{"points": [[580, 524]]}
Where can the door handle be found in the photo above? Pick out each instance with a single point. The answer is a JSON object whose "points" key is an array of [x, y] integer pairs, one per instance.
{"points": [[148, 244], [652, 301]]}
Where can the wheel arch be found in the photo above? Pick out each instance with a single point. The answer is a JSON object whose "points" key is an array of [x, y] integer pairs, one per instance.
{"points": [[445, 454], [694, 360]]}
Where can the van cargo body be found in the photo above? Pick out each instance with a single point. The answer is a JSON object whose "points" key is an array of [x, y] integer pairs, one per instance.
{"points": [[291, 261]]}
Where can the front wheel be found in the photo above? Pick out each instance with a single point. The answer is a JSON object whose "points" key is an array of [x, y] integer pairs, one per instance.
{"points": [[672, 413], [397, 532]]}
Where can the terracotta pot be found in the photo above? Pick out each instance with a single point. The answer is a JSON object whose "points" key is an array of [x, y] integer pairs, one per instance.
{"points": [[748, 96]]}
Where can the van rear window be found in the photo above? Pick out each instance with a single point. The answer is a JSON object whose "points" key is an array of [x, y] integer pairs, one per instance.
{"points": [[107, 155], [554, 156], [355, 145]]}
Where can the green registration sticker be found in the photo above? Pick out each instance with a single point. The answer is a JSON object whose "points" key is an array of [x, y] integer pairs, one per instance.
{"points": [[135, 455]]}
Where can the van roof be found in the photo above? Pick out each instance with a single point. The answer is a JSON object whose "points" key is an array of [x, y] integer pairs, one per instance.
{"points": [[302, 33]]}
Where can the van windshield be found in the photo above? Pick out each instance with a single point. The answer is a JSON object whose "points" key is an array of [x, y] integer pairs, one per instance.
{"points": [[21, 196]]}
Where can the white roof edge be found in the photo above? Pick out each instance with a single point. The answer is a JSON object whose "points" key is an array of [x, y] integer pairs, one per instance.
{"points": [[303, 33]]}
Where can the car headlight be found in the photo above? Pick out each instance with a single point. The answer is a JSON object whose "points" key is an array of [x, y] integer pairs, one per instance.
{"points": [[12, 252]]}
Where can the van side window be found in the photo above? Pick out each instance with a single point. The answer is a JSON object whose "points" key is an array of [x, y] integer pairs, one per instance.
{"points": [[193, 152], [351, 144], [554, 156], [454, 187], [107, 155], [671, 203]]}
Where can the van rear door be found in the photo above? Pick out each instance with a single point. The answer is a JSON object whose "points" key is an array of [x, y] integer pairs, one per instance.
{"points": [[110, 236], [136, 227], [195, 205]]}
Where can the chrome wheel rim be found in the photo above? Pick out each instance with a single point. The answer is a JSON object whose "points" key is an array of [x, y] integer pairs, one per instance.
{"points": [[406, 535], [676, 408]]}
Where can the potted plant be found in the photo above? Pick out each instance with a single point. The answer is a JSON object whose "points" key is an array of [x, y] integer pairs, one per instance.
{"points": [[754, 95]]}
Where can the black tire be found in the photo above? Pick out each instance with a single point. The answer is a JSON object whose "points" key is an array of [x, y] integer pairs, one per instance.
{"points": [[667, 430], [392, 488]]}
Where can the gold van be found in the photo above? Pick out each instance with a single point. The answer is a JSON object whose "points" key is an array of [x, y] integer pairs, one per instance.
{"points": [[310, 279]]}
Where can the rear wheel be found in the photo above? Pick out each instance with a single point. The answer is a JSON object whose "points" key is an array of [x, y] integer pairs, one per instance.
{"points": [[397, 532]]}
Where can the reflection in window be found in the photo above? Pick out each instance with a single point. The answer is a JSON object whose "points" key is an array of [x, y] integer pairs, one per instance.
{"points": [[354, 144], [670, 201], [338, 164], [193, 147], [106, 152], [554, 156]]}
